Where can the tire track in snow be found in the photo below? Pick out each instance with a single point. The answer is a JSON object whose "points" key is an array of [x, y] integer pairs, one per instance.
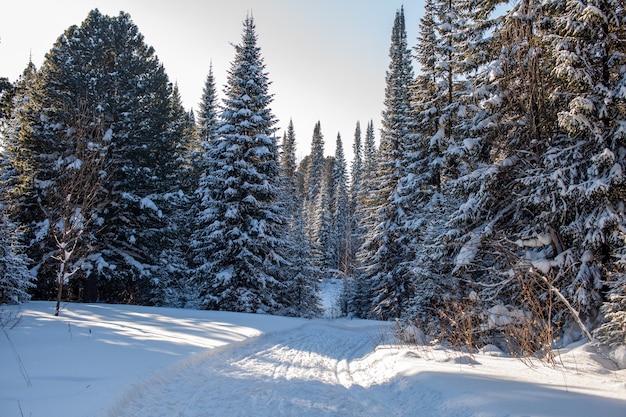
{"points": [[320, 369]]}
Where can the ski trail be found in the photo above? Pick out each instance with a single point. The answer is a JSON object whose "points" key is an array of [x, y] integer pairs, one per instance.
{"points": [[319, 369]]}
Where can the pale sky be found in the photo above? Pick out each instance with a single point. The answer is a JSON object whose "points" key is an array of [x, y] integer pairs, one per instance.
{"points": [[326, 59]]}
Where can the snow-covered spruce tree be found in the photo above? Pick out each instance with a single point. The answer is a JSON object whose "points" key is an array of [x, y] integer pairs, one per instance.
{"points": [[15, 276], [204, 165], [313, 181], [354, 236], [16, 279], [422, 185], [341, 216], [385, 255], [503, 131], [243, 244], [208, 123], [20, 162], [613, 331], [323, 238], [170, 279], [579, 185], [301, 289], [288, 160], [448, 74], [105, 64], [207, 127], [358, 291]]}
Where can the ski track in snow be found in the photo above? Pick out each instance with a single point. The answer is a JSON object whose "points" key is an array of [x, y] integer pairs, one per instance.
{"points": [[184, 363], [332, 368], [320, 369]]}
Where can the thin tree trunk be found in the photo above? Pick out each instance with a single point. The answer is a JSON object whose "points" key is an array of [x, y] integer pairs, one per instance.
{"points": [[60, 279]]}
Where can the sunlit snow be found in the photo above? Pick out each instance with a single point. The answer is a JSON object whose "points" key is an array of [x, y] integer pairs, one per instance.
{"points": [[119, 360]]}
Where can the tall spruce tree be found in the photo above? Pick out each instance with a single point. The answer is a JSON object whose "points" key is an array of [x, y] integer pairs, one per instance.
{"points": [[204, 166], [301, 290], [208, 122], [422, 187], [384, 255], [242, 247], [613, 331], [288, 156], [340, 206], [324, 244], [359, 291], [529, 249], [580, 175], [313, 180], [16, 278], [354, 236]]}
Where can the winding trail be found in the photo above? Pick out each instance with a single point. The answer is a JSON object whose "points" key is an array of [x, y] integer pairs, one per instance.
{"points": [[319, 369], [332, 368]]}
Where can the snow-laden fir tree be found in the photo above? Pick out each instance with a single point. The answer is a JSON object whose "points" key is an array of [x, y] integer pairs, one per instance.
{"points": [[323, 238], [170, 280], [358, 290], [204, 165], [301, 289], [208, 122], [579, 184], [613, 331], [16, 279], [502, 109], [313, 181], [340, 206], [354, 237], [288, 160], [243, 244], [385, 255], [422, 185]]}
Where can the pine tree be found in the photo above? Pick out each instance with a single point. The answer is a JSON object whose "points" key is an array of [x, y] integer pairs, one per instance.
{"points": [[472, 258], [105, 66], [241, 246], [204, 166], [547, 165], [422, 187]]}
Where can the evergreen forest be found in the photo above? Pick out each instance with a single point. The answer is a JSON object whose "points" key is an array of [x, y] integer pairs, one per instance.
{"points": [[486, 206]]}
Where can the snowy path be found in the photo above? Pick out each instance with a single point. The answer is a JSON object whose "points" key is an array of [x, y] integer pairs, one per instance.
{"points": [[330, 368], [130, 361], [315, 370]]}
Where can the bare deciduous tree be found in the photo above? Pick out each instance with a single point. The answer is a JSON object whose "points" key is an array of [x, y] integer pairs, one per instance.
{"points": [[77, 191]]}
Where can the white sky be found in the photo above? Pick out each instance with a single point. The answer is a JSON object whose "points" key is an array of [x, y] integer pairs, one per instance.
{"points": [[326, 59]]}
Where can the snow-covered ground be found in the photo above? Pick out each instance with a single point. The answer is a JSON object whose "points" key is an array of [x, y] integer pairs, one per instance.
{"points": [[100, 360]]}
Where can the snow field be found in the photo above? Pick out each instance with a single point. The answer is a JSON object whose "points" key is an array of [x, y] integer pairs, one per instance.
{"points": [[123, 361]]}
